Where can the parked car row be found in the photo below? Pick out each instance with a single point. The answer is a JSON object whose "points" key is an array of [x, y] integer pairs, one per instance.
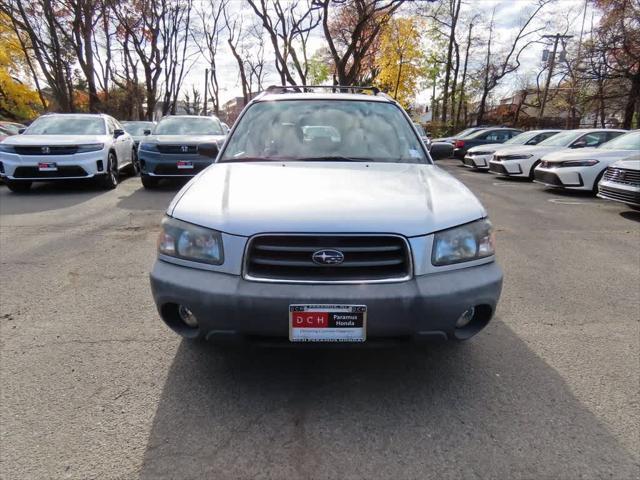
{"points": [[98, 147], [603, 161]]}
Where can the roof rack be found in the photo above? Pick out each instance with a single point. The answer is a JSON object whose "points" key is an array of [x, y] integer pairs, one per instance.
{"points": [[333, 88]]}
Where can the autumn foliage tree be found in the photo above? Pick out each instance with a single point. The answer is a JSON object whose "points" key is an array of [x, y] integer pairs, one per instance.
{"points": [[401, 58]]}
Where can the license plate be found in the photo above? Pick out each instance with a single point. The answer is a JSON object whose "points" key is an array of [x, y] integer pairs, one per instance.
{"points": [[185, 165], [47, 167], [327, 323]]}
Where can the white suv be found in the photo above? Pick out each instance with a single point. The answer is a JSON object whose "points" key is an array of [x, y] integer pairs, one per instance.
{"points": [[67, 146]]}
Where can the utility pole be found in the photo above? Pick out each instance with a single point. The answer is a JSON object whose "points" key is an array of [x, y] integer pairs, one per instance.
{"points": [[552, 62], [206, 89]]}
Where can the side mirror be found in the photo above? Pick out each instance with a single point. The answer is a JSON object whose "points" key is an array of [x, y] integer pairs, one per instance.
{"points": [[579, 144], [118, 132], [440, 150], [21, 131], [147, 132]]}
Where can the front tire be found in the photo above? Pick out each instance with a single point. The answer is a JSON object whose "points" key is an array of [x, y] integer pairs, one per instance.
{"points": [[134, 168], [18, 186], [531, 172], [149, 182], [110, 179]]}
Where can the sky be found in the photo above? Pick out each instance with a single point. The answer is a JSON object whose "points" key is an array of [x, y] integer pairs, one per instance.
{"points": [[562, 14]]}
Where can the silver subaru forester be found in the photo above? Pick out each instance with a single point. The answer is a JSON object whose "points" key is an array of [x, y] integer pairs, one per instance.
{"points": [[323, 220]]}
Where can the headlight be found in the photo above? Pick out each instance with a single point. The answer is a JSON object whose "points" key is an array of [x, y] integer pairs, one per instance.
{"points": [[577, 163], [464, 243], [517, 157], [7, 148], [91, 147], [149, 147], [190, 242]]}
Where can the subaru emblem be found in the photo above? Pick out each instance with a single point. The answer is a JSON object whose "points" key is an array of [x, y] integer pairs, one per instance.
{"points": [[328, 257]]}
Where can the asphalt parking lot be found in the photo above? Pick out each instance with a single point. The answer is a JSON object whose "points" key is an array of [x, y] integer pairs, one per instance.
{"points": [[93, 385]]}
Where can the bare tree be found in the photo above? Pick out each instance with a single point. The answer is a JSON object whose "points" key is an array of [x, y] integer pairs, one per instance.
{"points": [[288, 25], [175, 27], [496, 69], [78, 30], [141, 21], [208, 41]]}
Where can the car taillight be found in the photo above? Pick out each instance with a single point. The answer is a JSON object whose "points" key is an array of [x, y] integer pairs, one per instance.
{"points": [[459, 143]]}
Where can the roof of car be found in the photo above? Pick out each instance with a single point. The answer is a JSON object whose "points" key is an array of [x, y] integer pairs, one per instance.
{"points": [[270, 97]]}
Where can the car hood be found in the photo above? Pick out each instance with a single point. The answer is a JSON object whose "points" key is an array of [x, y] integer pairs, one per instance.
{"points": [[535, 150], [56, 139], [249, 198], [630, 164], [184, 139], [603, 155]]}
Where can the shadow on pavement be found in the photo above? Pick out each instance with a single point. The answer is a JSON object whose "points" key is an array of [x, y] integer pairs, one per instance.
{"points": [[631, 215], [489, 408], [46, 196], [152, 199]]}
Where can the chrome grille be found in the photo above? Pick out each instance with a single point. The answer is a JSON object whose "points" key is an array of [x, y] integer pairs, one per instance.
{"points": [[623, 175], [366, 258]]}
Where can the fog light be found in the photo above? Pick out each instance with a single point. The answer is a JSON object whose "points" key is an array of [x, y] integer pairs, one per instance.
{"points": [[99, 166], [187, 316], [465, 318]]}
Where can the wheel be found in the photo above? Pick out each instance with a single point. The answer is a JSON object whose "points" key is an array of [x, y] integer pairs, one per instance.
{"points": [[18, 186], [531, 175], [134, 168], [594, 189], [109, 181], [149, 182]]}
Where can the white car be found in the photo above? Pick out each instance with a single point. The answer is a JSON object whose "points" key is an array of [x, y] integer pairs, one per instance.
{"points": [[582, 169], [621, 182], [479, 156], [520, 161], [66, 146]]}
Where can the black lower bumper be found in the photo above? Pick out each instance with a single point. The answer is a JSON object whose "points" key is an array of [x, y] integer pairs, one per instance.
{"points": [[227, 306]]}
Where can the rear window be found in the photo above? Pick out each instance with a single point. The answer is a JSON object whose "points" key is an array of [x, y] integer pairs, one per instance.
{"points": [[317, 130]]}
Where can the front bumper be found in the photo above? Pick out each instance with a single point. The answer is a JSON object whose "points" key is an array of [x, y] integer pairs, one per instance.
{"points": [[507, 169], [619, 192], [481, 162], [78, 165], [459, 153], [157, 164], [229, 307], [569, 178]]}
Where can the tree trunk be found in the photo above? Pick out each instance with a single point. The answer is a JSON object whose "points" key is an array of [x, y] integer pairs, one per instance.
{"points": [[455, 10], [464, 77], [632, 101]]}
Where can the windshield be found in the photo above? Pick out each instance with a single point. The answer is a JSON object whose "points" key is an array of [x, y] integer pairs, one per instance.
{"points": [[629, 141], [317, 130], [562, 139], [11, 128], [521, 139], [137, 128], [188, 126], [67, 125]]}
